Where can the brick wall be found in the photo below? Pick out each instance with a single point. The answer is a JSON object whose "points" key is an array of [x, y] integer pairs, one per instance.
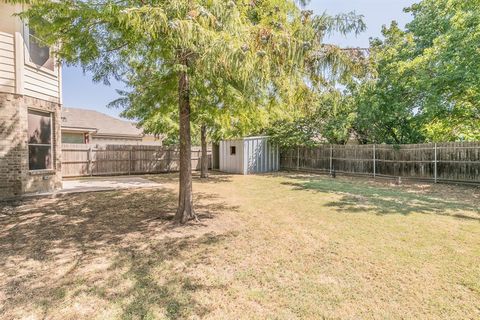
{"points": [[15, 178]]}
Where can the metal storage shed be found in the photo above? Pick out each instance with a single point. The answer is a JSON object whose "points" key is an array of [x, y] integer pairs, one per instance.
{"points": [[249, 155]]}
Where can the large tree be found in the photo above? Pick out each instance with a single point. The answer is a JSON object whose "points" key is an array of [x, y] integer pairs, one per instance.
{"points": [[247, 43], [223, 107], [219, 110]]}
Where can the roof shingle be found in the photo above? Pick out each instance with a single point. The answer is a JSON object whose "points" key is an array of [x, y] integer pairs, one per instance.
{"points": [[104, 124]]}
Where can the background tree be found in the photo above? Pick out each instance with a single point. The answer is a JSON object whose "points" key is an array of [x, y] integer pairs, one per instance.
{"points": [[324, 107], [427, 83], [385, 104], [421, 84], [447, 62]]}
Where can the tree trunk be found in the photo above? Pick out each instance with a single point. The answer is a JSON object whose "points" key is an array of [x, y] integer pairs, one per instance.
{"points": [[204, 172], [185, 211]]}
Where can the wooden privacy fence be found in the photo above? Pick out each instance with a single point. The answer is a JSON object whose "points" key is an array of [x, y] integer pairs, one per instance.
{"points": [[442, 162], [102, 160]]}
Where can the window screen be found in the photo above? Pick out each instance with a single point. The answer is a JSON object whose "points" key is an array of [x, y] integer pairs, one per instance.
{"points": [[233, 150], [39, 140], [39, 54]]}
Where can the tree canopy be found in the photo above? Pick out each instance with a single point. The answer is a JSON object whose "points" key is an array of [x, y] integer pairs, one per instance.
{"points": [[422, 84], [427, 83], [217, 61]]}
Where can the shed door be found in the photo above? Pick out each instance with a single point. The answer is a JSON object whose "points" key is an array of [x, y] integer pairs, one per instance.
{"points": [[215, 157]]}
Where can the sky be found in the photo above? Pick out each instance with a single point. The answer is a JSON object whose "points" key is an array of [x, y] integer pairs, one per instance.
{"points": [[79, 90]]}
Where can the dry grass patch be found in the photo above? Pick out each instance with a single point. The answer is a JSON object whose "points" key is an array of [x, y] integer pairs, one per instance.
{"points": [[277, 246]]}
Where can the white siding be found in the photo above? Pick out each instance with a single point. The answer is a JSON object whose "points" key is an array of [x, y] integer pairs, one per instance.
{"points": [[17, 73], [41, 84], [7, 63], [17, 76]]}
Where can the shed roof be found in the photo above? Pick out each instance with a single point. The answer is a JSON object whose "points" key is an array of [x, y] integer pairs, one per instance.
{"points": [[247, 138], [75, 118]]}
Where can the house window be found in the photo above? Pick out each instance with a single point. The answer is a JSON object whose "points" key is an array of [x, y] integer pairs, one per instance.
{"points": [[72, 137], [38, 53], [39, 140], [233, 150]]}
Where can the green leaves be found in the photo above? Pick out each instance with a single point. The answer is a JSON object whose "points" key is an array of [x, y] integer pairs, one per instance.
{"points": [[250, 63], [427, 84], [302, 132]]}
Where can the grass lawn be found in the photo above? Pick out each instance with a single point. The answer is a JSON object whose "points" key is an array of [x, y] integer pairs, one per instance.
{"points": [[280, 246]]}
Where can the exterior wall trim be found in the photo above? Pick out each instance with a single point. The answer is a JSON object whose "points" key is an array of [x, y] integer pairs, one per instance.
{"points": [[19, 69]]}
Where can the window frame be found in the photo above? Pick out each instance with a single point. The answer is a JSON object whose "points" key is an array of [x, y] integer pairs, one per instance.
{"points": [[52, 141], [28, 60], [233, 150], [84, 137]]}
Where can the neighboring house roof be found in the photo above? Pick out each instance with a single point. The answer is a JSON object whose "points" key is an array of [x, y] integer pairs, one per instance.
{"points": [[100, 123]]}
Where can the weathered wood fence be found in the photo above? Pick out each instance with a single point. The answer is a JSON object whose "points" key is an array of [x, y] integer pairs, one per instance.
{"points": [[103, 160], [442, 162]]}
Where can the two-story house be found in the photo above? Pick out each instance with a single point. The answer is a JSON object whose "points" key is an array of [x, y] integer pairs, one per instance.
{"points": [[30, 109]]}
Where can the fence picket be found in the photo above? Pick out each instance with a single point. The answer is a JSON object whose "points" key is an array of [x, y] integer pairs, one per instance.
{"points": [[441, 162], [89, 160]]}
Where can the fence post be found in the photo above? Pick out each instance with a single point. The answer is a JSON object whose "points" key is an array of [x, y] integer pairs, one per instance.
{"points": [[169, 156], [331, 159], [374, 162], [130, 161], [89, 160], [298, 158], [435, 164]]}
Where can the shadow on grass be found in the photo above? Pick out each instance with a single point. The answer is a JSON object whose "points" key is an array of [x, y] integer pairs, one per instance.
{"points": [[118, 248], [213, 177], [361, 197], [174, 293]]}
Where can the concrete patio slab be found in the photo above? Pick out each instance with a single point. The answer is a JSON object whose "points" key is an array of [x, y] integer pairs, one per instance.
{"points": [[97, 184], [105, 184]]}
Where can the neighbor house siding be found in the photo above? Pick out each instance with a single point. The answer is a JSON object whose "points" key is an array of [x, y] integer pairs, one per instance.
{"points": [[7, 63], [114, 140]]}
